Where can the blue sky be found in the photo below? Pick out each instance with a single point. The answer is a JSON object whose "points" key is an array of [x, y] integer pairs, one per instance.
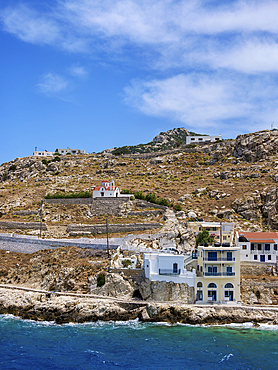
{"points": [[94, 74]]}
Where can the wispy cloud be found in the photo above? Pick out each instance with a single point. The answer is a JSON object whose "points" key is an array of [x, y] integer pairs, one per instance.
{"points": [[205, 101], [78, 71], [216, 60], [52, 84]]}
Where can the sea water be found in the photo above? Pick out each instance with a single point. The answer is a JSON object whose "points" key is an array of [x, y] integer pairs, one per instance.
{"points": [[30, 345]]}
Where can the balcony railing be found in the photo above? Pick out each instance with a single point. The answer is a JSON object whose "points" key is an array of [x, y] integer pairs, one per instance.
{"points": [[219, 273], [211, 259], [262, 251], [169, 272]]}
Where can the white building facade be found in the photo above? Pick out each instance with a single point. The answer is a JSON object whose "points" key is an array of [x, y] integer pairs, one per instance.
{"points": [[202, 139], [257, 246], [167, 267]]}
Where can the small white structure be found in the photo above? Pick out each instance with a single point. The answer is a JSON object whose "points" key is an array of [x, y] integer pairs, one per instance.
{"points": [[202, 139], [45, 153], [257, 246], [71, 151], [167, 267], [42, 153]]}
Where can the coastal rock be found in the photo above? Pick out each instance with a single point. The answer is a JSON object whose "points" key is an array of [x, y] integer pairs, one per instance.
{"points": [[164, 291]]}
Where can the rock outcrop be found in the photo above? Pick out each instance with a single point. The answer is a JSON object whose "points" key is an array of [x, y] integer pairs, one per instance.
{"points": [[163, 291]]}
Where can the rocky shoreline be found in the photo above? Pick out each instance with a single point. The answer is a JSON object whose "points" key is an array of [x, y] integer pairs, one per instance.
{"points": [[64, 308]]}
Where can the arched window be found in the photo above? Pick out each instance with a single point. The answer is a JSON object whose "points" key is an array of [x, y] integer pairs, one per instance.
{"points": [[229, 286], [212, 285], [199, 285]]}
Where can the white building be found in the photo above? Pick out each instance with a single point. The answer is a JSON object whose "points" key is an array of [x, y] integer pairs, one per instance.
{"points": [[202, 139], [45, 153], [257, 246], [42, 153], [167, 267], [71, 151]]}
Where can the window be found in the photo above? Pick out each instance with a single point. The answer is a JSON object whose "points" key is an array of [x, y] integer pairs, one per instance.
{"points": [[224, 237], [275, 247], [229, 256], [212, 285], [175, 268], [244, 247], [197, 267], [267, 247], [229, 286], [255, 257], [212, 256], [201, 268], [229, 270], [193, 138], [252, 247], [199, 285], [269, 257], [200, 139], [259, 247]]}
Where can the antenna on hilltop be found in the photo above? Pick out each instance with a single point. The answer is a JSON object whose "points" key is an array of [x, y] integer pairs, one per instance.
{"points": [[272, 125]]}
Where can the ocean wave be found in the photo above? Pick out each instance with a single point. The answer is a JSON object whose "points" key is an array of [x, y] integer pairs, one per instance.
{"points": [[138, 325]]}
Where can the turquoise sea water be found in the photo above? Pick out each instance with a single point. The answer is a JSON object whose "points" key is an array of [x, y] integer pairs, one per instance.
{"points": [[134, 345]]}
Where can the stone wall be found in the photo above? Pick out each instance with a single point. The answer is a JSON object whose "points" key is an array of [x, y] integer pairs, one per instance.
{"points": [[259, 291], [112, 228], [22, 225], [98, 206], [69, 201], [257, 269]]}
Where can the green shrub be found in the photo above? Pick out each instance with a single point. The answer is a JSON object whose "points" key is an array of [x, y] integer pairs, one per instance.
{"points": [[177, 207], [100, 280], [44, 161], [5, 176], [120, 151], [126, 263], [81, 194], [12, 167]]}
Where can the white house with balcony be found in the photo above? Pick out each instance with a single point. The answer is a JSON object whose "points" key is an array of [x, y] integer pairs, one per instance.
{"points": [[202, 139], [257, 246], [218, 274], [161, 266]]}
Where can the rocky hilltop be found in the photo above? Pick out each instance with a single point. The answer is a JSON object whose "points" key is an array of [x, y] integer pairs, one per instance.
{"points": [[234, 180]]}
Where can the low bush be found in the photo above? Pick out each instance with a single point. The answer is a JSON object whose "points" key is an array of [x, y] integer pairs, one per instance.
{"points": [[100, 280], [81, 194]]}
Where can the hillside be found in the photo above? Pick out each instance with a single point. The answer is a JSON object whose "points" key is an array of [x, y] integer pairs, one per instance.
{"points": [[233, 180], [171, 139]]}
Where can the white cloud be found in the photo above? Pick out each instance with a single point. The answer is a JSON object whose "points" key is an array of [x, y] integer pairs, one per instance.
{"points": [[206, 101], [30, 26], [52, 84], [78, 71]]}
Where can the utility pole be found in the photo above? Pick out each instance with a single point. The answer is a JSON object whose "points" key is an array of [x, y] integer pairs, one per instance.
{"points": [[108, 254]]}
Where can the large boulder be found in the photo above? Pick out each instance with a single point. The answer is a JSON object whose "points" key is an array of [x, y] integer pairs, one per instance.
{"points": [[163, 291]]}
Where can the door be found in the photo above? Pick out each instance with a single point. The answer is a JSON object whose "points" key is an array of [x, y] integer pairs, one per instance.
{"points": [[229, 295], [262, 258], [199, 295], [175, 268], [212, 295]]}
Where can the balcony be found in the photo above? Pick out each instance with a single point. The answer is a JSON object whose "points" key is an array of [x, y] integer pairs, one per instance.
{"points": [[169, 272], [219, 274], [212, 259], [262, 251]]}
